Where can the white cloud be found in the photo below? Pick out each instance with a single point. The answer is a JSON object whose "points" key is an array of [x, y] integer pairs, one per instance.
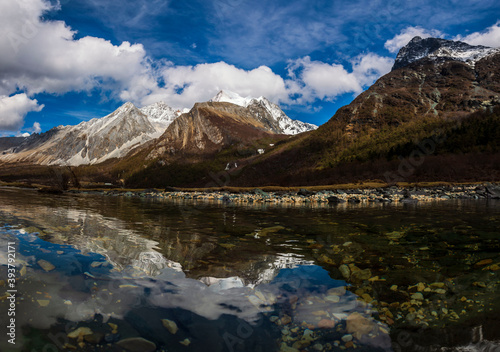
{"points": [[13, 110], [407, 34], [40, 56], [370, 67], [321, 80], [36, 127], [318, 80], [43, 56], [489, 37], [307, 81], [185, 85]]}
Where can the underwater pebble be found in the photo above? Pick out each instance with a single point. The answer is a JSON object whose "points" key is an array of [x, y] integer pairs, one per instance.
{"points": [[137, 344], [45, 265], [417, 296], [170, 325], [80, 332], [347, 338]]}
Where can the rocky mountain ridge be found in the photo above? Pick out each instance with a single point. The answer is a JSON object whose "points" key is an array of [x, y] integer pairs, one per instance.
{"points": [[115, 135], [437, 48], [283, 124], [89, 142], [210, 126], [420, 86]]}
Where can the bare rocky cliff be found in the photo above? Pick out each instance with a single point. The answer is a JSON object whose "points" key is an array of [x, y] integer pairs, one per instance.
{"points": [[209, 127]]}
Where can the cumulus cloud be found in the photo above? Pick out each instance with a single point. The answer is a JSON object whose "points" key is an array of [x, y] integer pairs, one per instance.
{"points": [[313, 80], [36, 127], [368, 68], [407, 34], [306, 81], [489, 37], [185, 85], [13, 110], [41, 56]]}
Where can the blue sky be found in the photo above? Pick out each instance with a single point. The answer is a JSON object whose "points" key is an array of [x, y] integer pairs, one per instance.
{"points": [[67, 61]]}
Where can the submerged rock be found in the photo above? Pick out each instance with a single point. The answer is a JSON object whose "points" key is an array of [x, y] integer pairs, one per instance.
{"points": [[80, 333], [45, 265], [137, 344], [170, 325], [358, 325], [345, 271], [185, 342], [417, 296]]}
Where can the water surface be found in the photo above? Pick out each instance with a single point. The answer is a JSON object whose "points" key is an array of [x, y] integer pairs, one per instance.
{"points": [[378, 277]]}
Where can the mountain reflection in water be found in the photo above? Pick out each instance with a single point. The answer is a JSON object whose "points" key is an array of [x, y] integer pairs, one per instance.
{"points": [[221, 278]]}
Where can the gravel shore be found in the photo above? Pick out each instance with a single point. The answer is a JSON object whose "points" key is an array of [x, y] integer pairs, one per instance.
{"points": [[392, 194]]}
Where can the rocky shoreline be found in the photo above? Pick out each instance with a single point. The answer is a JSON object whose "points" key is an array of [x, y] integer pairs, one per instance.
{"points": [[393, 194]]}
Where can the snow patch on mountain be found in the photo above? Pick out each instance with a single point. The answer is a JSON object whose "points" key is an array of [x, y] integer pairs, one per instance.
{"points": [[160, 115], [436, 48], [286, 124], [225, 96]]}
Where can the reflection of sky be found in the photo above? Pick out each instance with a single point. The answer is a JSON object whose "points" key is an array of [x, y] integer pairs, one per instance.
{"points": [[82, 285]]}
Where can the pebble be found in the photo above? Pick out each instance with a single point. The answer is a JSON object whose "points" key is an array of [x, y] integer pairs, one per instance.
{"points": [[80, 332], [137, 344], [94, 338], [417, 296], [494, 267], [347, 338], [358, 325], [170, 325], [338, 291], [332, 298], [326, 324], [43, 302], [437, 285], [286, 319], [318, 347], [285, 348], [47, 266], [367, 298], [483, 262], [185, 342], [345, 271], [308, 335], [113, 327]]}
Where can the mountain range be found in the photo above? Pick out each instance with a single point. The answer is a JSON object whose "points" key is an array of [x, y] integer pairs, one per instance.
{"points": [[115, 135], [436, 113]]}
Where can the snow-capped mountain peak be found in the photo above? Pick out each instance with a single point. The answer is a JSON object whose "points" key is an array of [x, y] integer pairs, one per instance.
{"points": [[225, 96], [419, 48], [286, 124], [90, 142], [160, 112], [160, 115]]}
